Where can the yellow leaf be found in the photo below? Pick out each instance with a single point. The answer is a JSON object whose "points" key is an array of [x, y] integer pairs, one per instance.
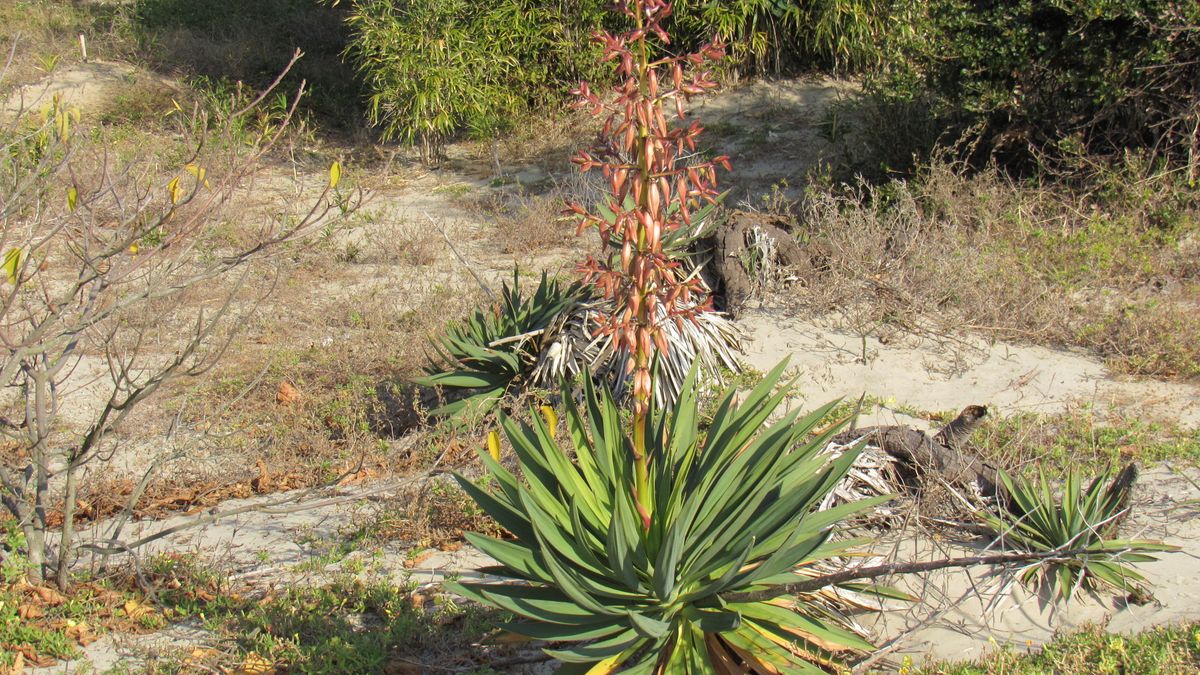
{"points": [[133, 248], [551, 417], [173, 190], [136, 610], [608, 665], [12, 265], [335, 174], [493, 444], [72, 198], [199, 172]]}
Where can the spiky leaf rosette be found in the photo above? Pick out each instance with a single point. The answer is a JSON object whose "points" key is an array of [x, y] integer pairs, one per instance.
{"points": [[494, 350], [1078, 519], [735, 510]]}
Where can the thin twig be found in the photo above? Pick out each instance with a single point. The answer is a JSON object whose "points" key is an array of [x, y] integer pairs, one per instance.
{"points": [[461, 259]]}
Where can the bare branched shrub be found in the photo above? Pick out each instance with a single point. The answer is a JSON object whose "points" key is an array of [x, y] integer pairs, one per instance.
{"points": [[118, 281]]}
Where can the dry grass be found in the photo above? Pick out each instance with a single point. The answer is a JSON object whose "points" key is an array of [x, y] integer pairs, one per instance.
{"points": [[1112, 269], [528, 224], [1165, 650]]}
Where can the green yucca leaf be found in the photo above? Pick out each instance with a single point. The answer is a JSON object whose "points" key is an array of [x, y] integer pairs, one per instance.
{"points": [[601, 649], [1078, 518], [491, 352], [796, 622], [563, 633], [518, 559], [652, 599], [507, 515]]}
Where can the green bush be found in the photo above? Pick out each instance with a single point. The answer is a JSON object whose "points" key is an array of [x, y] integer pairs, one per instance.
{"points": [[780, 35], [436, 67], [1090, 76]]}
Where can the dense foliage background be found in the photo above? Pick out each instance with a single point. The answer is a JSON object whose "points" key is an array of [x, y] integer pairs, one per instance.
{"points": [[1018, 78], [1082, 76]]}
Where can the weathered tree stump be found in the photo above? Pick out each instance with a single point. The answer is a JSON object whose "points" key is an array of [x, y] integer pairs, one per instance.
{"points": [[732, 244]]}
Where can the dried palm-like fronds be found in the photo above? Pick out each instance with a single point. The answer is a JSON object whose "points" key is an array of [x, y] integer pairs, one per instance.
{"points": [[550, 336], [873, 474], [570, 346]]}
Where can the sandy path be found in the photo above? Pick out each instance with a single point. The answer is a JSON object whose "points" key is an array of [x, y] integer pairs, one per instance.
{"points": [[956, 372]]}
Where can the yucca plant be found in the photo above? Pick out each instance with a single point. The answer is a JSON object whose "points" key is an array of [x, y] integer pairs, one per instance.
{"points": [[1079, 519], [735, 511], [494, 350]]}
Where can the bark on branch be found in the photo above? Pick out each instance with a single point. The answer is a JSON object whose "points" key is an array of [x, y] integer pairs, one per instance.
{"points": [[889, 569], [947, 453]]}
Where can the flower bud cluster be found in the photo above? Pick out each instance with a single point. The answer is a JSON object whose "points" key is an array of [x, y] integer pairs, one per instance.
{"points": [[652, 190]]}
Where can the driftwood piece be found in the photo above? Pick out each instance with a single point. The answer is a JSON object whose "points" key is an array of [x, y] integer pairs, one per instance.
{"points": [[731, 245], [946, 453]]}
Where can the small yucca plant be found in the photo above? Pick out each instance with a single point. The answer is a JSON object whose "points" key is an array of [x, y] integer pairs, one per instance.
{"points": [[735, 511], [494, 350], [1079, 520]]}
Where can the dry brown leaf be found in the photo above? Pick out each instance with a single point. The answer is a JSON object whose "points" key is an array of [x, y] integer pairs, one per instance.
{"points": [[81, 633], [49, 596], [201, 655], [287, 394], [18, 665], [32, 658], [254, 664], [262, 483], [418, 600], [29, 612], [416, 560], [136, 610]]}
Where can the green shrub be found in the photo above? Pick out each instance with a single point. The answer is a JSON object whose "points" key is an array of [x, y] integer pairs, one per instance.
{"points": [[779, 35], [436, 67], [1085, 76]]}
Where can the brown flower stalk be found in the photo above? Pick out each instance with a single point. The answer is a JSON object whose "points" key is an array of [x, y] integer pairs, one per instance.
{"points": [[652, 193]]}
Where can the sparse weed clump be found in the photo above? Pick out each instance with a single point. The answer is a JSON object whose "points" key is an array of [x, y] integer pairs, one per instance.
{"points": [[1169, 650], [1107, 265]]}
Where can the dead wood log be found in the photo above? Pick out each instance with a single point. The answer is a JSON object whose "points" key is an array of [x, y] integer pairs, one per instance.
{"points": [[947, 453]]}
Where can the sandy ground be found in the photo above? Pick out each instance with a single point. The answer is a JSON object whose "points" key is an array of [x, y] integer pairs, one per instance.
{"points": [[955, 371], [964, 613], [90, 87]]}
